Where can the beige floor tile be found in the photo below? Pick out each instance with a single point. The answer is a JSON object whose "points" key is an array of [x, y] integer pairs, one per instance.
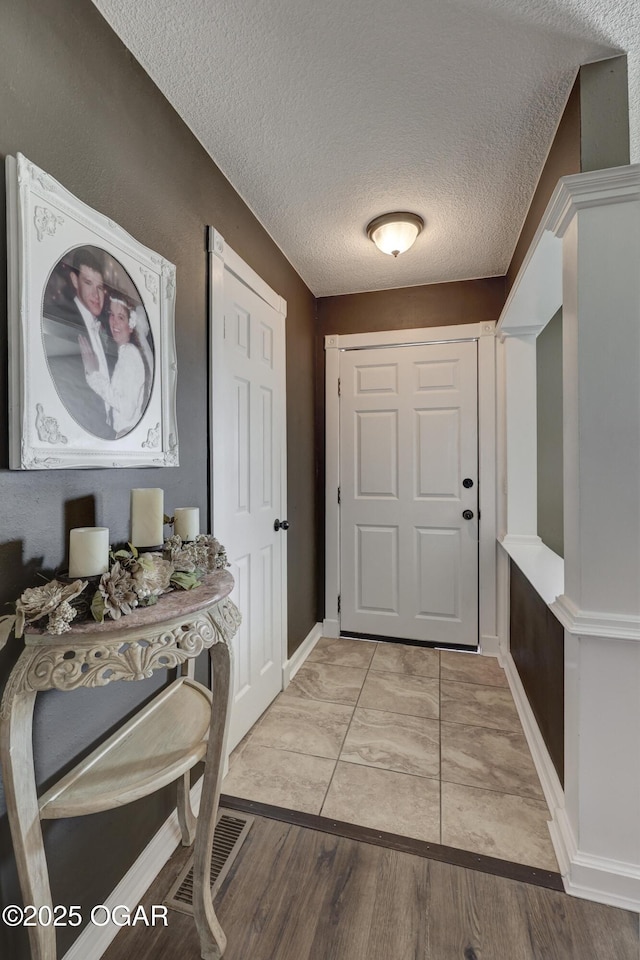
{"points": [[471, 668], [342, 652], [393, 742], [325, 681], [240, 747], [278, 777], [399, 693], [497, 825], [385, 800], [477, 704], [492, 759], [313, 727], [402, 658]]}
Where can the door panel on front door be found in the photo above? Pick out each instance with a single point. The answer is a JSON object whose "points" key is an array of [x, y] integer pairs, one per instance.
{"points": [[408, 438]]}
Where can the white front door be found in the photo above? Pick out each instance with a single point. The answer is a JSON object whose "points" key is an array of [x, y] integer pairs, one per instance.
{"points": [[249, 435], [409, 492]]}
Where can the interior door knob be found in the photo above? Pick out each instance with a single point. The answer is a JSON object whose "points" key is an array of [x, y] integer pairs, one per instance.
{"points": [[284, 524], [467, 514], [467, 483]]}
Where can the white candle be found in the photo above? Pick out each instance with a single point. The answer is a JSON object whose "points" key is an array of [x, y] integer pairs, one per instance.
{"points": [[147, 517], [88, 551], [187, 522]]}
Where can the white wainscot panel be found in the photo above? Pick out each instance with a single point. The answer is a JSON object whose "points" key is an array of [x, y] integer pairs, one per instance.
{"points": [[376, 452], [240, 330], [266, 624], [381, 378], [436, 375], [377, 569], [241, 572], [267, 344], [266, 404], [438, 555], [438, 476], [243, 432]]}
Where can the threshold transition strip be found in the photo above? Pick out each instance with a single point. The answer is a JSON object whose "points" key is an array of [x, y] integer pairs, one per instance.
{"points": [[420, 848]]}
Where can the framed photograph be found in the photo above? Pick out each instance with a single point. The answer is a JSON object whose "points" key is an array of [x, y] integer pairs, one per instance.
{"points": [[92, 357]]}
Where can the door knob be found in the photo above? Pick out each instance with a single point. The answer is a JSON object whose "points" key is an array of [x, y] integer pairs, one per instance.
{"points": [[467, 483], [467, 514], [284, 524]]}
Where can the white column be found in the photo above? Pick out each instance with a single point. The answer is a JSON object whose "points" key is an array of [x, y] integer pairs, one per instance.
{"points": [[487, 504], [521, 440], [601, 347], [599, 219]]}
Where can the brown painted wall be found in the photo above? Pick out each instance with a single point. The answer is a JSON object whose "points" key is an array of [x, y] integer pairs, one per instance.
{"points": [[430, 305], [604, 114], [75, 102], [537, 647], [562, 160], [593, 134]]}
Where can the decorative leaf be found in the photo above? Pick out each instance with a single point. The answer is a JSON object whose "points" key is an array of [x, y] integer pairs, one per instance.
{"points": [[6, 626], [121, 555], [185, 581], [168, 521], [97, 607]]}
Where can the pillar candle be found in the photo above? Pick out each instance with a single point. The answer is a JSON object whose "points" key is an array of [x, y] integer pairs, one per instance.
{"points": [[88, 551], [187, 522], [147, 517]]}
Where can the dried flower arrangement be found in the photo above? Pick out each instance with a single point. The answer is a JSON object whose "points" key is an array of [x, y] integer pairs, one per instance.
{"points": [[132, 580]]}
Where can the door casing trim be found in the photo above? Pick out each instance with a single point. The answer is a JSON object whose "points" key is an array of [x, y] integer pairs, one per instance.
{"points": [[222, 256], [484, 333]]}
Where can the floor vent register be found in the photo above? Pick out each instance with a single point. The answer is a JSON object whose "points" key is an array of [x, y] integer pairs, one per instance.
{"points": [[230, 833]]}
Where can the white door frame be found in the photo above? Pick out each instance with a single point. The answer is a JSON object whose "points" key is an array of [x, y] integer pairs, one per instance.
{"points": [[221, 256], [484, 333]]}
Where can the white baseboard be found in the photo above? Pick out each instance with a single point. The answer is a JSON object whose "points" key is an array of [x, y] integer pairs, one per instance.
{"points": [[563, 842], [295, 661], [93, 941], [613, 882], [331, 628], [490, 646], [606, 881]]}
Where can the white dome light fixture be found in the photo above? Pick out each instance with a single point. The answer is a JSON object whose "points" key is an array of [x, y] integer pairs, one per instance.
{"points": [[394, 233]]}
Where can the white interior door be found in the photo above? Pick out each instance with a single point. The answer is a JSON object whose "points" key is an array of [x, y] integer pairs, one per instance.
{"points": [[248, 426], [408, 477]]}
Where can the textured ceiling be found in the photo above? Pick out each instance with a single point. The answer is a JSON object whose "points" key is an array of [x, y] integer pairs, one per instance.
{"points": [[325, 115]]}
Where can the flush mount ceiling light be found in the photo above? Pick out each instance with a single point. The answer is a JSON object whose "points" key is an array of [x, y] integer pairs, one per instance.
{"points": [[394, 233]]}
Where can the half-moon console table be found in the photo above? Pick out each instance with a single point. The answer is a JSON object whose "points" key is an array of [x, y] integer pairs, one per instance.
{"points": [[182, 725]]}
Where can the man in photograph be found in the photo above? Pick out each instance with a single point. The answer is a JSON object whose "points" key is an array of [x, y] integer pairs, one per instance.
{"points": [[64, 323]]}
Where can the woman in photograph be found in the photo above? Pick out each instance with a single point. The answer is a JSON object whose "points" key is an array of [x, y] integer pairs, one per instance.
{"points": [[127, 391]]}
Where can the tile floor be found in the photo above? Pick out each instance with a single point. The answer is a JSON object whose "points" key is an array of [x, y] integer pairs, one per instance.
{"points": [[418, 742]]}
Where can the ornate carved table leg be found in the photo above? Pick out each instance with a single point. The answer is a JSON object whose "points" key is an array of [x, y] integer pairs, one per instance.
{"points": [[212, 938], [186, 816], [16, 756]]}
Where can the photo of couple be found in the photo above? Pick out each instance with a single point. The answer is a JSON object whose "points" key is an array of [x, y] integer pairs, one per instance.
{"points": [[97, 342]]}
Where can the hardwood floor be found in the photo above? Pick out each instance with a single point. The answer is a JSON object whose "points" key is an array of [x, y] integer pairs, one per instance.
{"points": [[300, 894]]}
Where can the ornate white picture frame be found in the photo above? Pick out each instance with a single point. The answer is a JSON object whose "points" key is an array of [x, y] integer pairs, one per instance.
{"points": [[92, 356]]}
